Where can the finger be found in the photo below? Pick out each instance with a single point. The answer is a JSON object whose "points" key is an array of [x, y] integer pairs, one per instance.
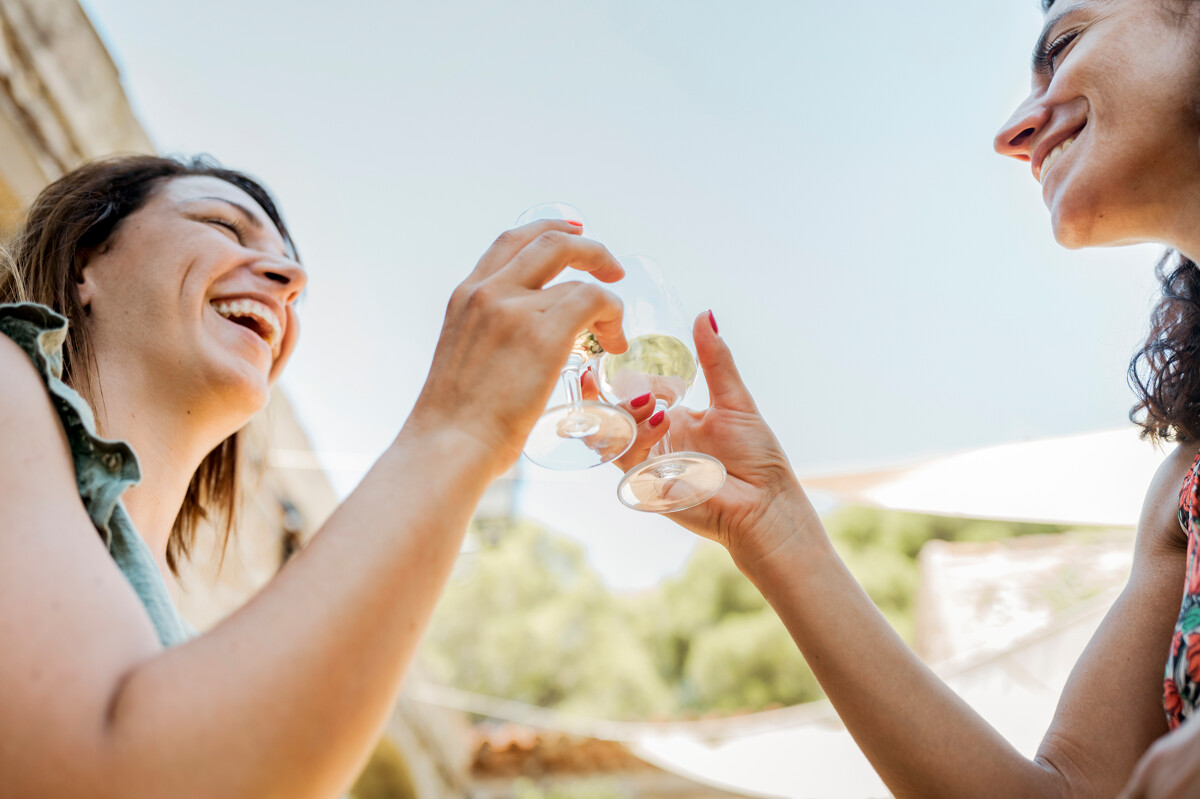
{"points": [[582, 306], [510, 242], [649, 433], [588, 385], [640, 408], [540, 260], [725, 386]]}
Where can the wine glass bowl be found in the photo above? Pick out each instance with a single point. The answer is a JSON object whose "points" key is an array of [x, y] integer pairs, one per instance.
{"points": [[564, 212], [579, 433]]}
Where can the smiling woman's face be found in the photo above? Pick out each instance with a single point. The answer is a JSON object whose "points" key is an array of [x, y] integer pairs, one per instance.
{"points": [[1110, 125], [197, 288]]}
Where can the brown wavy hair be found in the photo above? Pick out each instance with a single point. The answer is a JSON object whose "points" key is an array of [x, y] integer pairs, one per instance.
{"points": [[79, 213]]}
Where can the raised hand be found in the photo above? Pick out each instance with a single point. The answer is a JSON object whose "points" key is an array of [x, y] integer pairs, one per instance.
{"points": [[505, 338], [761, 502]]}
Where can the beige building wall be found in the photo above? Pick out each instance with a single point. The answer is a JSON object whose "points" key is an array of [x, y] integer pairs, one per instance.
{"points": [[61, 103]]}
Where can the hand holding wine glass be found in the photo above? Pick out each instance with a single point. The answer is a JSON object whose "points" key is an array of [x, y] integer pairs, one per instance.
{"points": [[659, 362], [761, 502], [576, 433], [506, 335]]}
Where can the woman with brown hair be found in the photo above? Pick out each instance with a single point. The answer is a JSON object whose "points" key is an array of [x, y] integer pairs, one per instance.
{"points": [[158, 295], [1111, 131]]}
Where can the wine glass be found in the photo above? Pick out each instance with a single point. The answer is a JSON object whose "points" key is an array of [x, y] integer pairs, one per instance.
{"points": [[579, 433], [657, 361]]}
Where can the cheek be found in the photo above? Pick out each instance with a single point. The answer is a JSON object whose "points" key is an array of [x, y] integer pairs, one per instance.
{"points": [[290, 339]]}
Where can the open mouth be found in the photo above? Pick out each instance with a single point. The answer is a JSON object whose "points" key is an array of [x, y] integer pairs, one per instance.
{"points": [[1055, 154], [254, 316]]}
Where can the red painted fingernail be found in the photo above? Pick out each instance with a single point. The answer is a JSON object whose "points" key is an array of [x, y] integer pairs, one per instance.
{"points": [[638, 402], [712, 320], [574, 222], [657, 418]]}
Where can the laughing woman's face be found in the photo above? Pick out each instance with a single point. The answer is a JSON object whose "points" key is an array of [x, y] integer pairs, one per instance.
{"points": [[197, 287], [1110, 126]]}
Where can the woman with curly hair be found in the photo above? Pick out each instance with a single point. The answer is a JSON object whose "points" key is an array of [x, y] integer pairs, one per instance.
{"points": [[1111, 131]]}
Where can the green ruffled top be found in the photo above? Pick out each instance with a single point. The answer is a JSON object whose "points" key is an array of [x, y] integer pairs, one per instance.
{"points": [[103, 468]]}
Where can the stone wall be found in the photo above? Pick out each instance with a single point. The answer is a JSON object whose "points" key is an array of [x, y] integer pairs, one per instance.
{"points": [[61, 100]]}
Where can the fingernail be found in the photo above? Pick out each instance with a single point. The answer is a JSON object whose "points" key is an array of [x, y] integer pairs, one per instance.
{"points": [[638, 402], [574, 222], [657, 418], [712, 320]]}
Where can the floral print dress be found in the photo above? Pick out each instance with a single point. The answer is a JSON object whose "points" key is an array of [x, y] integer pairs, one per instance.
{"points": [[1181, 686]]}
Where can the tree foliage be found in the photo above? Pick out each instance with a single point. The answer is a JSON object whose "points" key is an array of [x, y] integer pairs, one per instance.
{"points": [[526, 618]]}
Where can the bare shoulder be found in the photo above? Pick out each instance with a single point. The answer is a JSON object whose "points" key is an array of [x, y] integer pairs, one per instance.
{"points": [[1158, 528], [70, 624], [31, 436]]}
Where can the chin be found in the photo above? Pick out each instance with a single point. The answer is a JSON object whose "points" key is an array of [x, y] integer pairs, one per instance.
{"points": [[1071, 237], [1094, 230], [241, 390], [1078, 223]]}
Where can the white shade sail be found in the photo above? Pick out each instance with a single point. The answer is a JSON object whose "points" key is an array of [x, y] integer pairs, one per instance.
{"points": [[1090, 479]]}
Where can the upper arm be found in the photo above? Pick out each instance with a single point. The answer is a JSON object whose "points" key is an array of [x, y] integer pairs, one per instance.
{"points": [[70, 624], [1111, 710]]}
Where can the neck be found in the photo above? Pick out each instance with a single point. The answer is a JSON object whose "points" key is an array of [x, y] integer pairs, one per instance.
{"points": [[1179, 219], [170, 439]]}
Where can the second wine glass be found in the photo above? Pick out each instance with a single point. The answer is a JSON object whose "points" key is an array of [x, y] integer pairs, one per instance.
{"points": [[660, 362]]}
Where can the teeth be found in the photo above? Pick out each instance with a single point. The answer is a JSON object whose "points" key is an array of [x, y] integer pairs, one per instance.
{"points": [[256, 310], [1050, 158]]}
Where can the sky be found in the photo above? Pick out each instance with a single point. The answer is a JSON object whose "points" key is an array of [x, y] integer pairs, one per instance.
{"points": [[820, 175]]}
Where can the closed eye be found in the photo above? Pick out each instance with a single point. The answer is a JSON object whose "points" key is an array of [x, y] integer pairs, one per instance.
{"points": [[1046, 59], [234, 227]]}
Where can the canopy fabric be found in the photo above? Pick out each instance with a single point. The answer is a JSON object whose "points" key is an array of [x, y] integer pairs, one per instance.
{"points": [[1015, 690], [1091, 479]]}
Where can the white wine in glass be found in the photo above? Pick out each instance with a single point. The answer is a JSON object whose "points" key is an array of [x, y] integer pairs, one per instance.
{"points": [[579, 433], [657, 361]]}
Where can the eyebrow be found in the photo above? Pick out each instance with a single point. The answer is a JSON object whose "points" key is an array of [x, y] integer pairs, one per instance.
{"points": [[251, 217], [289, 251], [1050, 25]]}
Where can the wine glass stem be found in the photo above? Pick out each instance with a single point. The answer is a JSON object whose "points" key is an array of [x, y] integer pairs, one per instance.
{"points": [[663, 447], [570, 379]]}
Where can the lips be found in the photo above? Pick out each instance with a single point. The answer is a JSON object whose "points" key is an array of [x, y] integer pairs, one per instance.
{"points": [[256, 316], [1047, 159]]}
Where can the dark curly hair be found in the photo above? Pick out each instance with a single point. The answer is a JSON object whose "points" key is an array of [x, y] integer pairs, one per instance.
{"points": [[1165, 372]]}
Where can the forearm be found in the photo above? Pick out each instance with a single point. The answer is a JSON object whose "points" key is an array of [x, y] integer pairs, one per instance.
{"points": [[920, 736], [285, 697]]}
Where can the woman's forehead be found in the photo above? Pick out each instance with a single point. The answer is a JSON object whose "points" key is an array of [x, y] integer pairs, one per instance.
{"points": [[178, 194], [195, 188]]}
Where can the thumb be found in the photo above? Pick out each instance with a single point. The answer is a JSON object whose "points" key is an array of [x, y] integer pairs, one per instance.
{"points": [[725, 386]]}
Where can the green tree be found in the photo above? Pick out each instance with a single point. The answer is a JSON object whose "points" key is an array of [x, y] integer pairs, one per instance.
{"points": [[526, 618], [747, 661]]}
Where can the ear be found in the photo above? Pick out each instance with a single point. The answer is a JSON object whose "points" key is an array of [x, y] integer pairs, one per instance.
{"points": [[85, 282]]}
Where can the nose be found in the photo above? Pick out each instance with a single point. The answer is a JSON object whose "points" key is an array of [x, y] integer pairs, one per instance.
{"points": [[1017, 137], [287, 276]]}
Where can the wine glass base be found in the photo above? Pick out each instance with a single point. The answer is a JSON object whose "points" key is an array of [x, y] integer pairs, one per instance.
{"points": [[565, 440], [672, 482]]}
